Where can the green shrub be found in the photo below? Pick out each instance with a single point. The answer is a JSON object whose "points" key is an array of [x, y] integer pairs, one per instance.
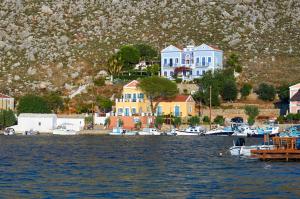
{"points": [[7, 118], [138, 125], [99, 81], [194, 121], [229, 90], [251, 121], [107, 122], [219, 120], [159, 120], [178, 80], [266, 92], [251, 111], [33, 104], [177, 121], [246, 90], [206, 119]]}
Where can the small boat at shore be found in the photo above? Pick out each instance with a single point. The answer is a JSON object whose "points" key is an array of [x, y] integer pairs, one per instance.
{"points": [[221, 131], [9, 131], [64, 130], [31, 132], [149, 131]]}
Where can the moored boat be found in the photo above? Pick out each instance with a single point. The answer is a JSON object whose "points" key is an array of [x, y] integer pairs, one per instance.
{"points": [[149, 131], [9, 131], [239, 148], [221, 131]]}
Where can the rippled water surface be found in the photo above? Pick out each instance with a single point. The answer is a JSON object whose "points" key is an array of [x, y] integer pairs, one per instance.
{"points": [[138, 167]]}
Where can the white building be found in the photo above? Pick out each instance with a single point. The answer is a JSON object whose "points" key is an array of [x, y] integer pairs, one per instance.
{"points": [[43, 123], [72, 122], [46, 123]]}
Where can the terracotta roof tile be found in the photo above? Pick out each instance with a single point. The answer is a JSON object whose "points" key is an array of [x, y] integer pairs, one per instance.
{"points": [[178, 98], [4, 96]]}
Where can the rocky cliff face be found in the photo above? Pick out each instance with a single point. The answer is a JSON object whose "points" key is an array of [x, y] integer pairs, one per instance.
{"points": [[56, 44]]}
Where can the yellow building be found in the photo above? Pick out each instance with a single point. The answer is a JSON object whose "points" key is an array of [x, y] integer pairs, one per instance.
{"points": [[135, 103]]}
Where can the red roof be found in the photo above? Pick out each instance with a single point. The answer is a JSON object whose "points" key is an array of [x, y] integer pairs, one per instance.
{"points": [[132, 84], [4, 96], [296, 97], [178, 98], [214, 47]]}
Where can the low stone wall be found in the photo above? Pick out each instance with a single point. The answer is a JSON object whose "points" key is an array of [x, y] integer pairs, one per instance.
{"points": [[231, 113]]}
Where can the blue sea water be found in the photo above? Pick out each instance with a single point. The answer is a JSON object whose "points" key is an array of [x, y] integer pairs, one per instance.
{"points": [[138, 167]]}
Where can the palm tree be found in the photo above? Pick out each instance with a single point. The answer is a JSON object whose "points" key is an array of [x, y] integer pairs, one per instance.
{"points": [[114, 66]]}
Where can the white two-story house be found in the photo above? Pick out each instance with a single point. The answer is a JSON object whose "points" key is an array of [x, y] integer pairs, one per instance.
{"points": [[190, 62]]}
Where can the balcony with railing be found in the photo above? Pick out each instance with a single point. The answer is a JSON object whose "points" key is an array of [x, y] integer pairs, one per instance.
{"points": [[129, 100]]}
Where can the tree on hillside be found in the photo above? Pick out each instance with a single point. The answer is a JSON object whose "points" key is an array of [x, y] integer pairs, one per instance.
{"points": [[33, 104], [104, 104], [233, 61], [229, 90], [216, 80], [157, 89], [55, 101], [114, 66], [129, 56], [246, 90], [153, 69], [147, 52], [284, 93], [266, 92], [252, 112], [7, 118]]}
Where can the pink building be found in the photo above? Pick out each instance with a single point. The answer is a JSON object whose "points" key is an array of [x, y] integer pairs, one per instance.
{"points": [[295, 98]]}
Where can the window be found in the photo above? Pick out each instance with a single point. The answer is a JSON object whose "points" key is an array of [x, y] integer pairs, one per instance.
{"points": [[171, 62], [203, 72], [133, 110], [159, 110], [209, 59], [142, 95], [120, 110], [190, 109], [126, 111], [165, 74], [203, 61], [40, 123], [198, 73], [197, 60], [165, 61]]}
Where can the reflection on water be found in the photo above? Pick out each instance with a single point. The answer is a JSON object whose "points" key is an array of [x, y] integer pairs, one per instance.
{"points": [[144, 167]]}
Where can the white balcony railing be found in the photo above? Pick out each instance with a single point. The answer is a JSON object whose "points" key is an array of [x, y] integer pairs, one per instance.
{"points": [[129, 100]]}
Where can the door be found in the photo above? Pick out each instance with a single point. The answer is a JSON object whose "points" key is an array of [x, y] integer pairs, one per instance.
{"points": [[177, 111]]}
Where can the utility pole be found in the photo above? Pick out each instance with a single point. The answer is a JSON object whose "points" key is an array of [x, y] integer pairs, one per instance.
{"points": [[210, 107]]}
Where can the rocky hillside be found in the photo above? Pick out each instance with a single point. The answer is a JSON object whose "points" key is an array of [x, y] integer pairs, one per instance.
{"points": [[58, 44]]}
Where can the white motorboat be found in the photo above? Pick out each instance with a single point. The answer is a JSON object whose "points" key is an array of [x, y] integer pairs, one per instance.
{"points": [[149, 131], [221, 131], [121, 131], [239, 148], [199, 130], [63, 130], [9, 131], [244, 131]]}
